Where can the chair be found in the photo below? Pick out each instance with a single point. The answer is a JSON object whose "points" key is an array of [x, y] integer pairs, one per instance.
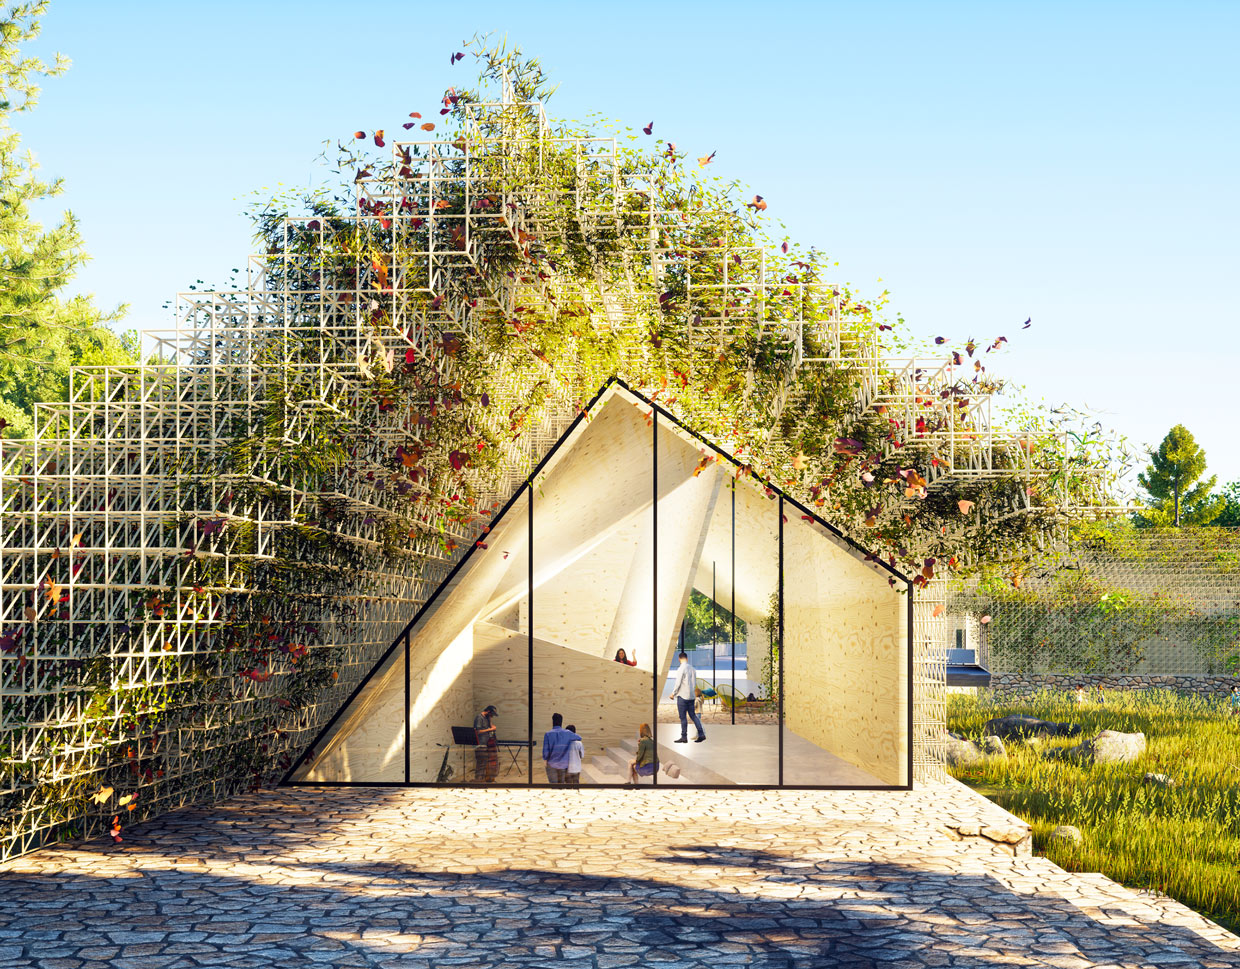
{"points": [[734, 700], [708, 691], [729, 697]]}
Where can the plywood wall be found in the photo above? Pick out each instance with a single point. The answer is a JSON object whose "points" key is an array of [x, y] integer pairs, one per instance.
{"points": [[604, 699], [845, 656]]}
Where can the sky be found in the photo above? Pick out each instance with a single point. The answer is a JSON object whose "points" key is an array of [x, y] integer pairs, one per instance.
{"points": [[1073, 163]]}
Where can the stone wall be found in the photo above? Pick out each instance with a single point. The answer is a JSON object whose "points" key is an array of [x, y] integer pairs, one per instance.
{"points": [[1010, 686]]}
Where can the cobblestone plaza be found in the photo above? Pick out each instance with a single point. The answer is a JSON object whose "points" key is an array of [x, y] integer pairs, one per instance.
{"points": [[598, 878]]}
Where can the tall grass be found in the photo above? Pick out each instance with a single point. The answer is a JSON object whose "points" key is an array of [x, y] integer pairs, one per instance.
{"points": [[1183, 841]]}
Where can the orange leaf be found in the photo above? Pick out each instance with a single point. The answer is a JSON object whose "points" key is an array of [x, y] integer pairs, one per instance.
{"points": [[965, 506], [938, 610], [429, 126]]}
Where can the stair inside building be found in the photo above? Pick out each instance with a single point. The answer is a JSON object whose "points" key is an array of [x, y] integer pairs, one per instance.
{"points": [[612, 767]]}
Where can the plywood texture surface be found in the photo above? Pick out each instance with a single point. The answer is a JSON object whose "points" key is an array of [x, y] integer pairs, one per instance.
{"points": [[845, 655]]}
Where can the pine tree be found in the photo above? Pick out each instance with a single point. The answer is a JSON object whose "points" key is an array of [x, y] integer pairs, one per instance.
{"points": [[1177, 496], [41, 333]]}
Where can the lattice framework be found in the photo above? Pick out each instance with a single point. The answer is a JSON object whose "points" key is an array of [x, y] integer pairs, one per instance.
{"points": [[146, 524]]}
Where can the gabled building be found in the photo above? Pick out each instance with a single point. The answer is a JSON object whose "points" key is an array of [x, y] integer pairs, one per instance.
{"points": [[598, 553]]}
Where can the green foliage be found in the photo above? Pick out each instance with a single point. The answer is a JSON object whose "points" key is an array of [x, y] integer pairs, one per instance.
{"points": [[1229, 516], [1177, 496], [798, 427], [41, 334], [1182, 841], [1078, 622], [770, 662], [707, 622]]}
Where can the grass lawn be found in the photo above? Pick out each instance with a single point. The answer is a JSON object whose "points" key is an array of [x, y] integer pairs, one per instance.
{"points": [[1183, 841]]}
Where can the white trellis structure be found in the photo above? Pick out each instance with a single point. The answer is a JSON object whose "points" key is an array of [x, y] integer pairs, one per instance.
{"points": [[137, 522]]}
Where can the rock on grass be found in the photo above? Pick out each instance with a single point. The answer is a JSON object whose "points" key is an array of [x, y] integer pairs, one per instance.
{"points": [[1109, 747], [1018, 727], [1068, 834]]}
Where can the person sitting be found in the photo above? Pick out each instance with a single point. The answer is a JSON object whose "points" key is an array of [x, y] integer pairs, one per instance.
{"points": [[622, 657], [646, 763]]}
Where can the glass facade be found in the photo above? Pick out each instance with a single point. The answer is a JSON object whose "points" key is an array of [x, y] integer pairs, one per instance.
{"points": [[634, 541]]}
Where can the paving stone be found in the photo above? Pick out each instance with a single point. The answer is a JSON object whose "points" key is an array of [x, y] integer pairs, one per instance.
{"points": [[606, 879]]}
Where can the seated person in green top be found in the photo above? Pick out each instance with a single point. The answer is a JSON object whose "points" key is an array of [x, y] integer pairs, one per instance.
{"points": [[647, 762]]}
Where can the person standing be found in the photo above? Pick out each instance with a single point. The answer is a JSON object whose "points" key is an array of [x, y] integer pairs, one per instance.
{"points": [[1235, 701], [576, 754], [684, 690], [556, 744], [486, 754]]}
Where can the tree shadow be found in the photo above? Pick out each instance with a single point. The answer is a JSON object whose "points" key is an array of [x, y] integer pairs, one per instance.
{"points": [[770, 911]]}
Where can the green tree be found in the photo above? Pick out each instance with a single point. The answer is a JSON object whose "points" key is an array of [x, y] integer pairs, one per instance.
{"points": [[1229, 517], [1177, 493], [42, 334], [698, 622]]}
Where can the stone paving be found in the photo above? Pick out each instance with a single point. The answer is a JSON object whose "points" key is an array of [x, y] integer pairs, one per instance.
{"points": [[305, 877]]}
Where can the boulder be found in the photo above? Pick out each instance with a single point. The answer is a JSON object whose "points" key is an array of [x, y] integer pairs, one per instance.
{"points": [[959, 751], [1113, 747], [1158, 780], [1066, 834], [1109, 747], [993, 745], [1018, 727]]}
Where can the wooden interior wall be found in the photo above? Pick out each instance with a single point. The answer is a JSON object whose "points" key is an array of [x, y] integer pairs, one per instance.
{"points": [[605, 700], [845, 655]]}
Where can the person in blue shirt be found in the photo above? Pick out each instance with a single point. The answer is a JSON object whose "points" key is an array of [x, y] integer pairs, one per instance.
{"points": [[557, 750], [1235, 701]]}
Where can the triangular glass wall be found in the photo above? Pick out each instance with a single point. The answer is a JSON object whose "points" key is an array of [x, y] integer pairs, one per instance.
{"points": [[641, 541]]}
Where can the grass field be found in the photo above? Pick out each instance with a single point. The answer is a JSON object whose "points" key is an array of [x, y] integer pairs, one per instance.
{"points": [[1183, 841]]}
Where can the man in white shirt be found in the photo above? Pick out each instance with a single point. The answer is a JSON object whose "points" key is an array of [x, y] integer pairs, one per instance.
{"points": [[684, 690]]}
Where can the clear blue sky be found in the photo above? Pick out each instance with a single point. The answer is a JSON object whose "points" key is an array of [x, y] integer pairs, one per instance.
{"points": [[1074, 162]]}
